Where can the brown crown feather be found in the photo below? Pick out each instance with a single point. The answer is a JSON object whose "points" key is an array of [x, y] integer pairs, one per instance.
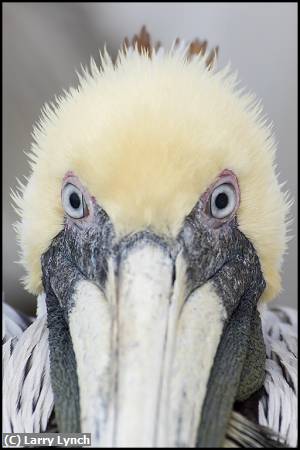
{"points": [[143, 42]]}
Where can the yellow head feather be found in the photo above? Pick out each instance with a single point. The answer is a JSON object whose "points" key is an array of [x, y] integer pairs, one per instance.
{"points": [[147, 137]]}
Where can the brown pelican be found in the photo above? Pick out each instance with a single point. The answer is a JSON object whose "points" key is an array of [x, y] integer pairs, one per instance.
{"points": [[152, 230]]}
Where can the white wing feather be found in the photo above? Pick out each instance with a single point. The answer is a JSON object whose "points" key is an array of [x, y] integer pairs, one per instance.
{"points": [[27, 393], [278, 407], [14, 323]]}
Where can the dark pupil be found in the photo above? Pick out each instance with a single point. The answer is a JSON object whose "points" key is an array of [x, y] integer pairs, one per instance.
{"points": [[221, 200], [75, 200]]}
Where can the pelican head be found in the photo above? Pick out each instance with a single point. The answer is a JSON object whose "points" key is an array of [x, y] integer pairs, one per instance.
{"points": [[154, 223]]}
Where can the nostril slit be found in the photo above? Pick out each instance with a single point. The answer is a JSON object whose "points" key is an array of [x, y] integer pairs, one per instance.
{"points": [[174, 275]]}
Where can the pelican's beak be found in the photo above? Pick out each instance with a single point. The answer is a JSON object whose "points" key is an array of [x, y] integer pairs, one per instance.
{"points": [[159, 364]]}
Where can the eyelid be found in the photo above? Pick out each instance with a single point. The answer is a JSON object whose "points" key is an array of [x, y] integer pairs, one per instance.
{"points": [[85, 207]]}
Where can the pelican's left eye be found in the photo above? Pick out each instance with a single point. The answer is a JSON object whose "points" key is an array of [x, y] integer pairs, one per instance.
{"points": [[223, 201], [73, 201]]}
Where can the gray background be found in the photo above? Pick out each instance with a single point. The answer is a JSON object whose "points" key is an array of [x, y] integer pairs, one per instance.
{"points": [[45, 43]]}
